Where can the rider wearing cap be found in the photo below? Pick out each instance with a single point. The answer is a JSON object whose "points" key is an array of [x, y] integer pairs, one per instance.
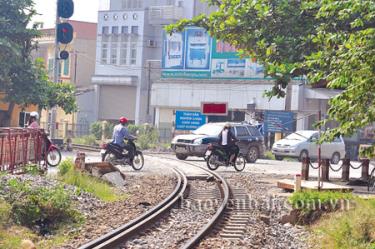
{"points": [[120, 132], [228, 141], [33, 123]]}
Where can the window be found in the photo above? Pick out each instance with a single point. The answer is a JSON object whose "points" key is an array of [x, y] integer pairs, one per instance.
{"points": [[104, 54], [123, 53], [253, 131], [134, 30], [114, 30], [124, 30], [50, 65], [65, 67], [114, 56], [105, 30], [242, 131], [132, 4], [133, 53], [23, 119]]}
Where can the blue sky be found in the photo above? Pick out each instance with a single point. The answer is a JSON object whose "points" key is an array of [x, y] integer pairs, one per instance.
{"points": [[85, 10]]}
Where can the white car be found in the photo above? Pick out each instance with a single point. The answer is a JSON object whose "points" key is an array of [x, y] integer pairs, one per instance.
{"points": [[303, 144]]}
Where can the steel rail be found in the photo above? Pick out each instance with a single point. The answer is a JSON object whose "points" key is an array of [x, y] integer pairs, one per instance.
{"points": [[191, 243], [121, 234], [225, 192]]}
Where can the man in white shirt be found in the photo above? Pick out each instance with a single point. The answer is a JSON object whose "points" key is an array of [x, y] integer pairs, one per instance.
{"points": [[228, 140]]}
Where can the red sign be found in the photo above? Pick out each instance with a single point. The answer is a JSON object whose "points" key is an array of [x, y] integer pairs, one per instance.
{"points": [[214, 109]]}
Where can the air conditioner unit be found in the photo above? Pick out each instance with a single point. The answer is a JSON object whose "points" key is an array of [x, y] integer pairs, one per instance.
{"points": [[151, 43]]}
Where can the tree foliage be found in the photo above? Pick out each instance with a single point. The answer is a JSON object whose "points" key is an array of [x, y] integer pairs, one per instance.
{"points": [[24, 81], [327, 41]]}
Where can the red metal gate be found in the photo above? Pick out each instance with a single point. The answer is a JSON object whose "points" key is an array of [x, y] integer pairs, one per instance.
{"points": [[19, 147]]}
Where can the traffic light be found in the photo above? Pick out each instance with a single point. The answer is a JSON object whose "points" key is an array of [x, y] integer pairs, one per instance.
{"points": [[65, 8], [64, 33]]}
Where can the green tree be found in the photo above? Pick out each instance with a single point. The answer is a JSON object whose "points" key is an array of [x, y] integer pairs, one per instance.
{"points": [[331, 42], [22, 80]]}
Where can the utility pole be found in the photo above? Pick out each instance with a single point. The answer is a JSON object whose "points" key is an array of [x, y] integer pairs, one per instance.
{"points": [[56, 73], [149, 88]]}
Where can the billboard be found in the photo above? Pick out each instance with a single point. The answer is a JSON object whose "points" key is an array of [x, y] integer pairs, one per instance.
{"points": [[279, 121], [189, 120], [194, 54]]}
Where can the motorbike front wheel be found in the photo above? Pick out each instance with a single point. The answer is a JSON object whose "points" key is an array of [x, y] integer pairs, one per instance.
{"points": [[211, 162], [240, 163], [138, 161], [53, 157]]}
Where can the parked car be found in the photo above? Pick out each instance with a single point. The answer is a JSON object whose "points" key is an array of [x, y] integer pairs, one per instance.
{"points": [[195, 144], [303, 144]]}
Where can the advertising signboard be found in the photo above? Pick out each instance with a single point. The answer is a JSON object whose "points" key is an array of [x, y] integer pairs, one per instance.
{"points": [[194, 54], [279, 121], [189, 120]]}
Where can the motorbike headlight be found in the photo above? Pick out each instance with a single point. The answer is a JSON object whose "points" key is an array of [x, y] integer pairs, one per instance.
{"points": [[198, 141]]}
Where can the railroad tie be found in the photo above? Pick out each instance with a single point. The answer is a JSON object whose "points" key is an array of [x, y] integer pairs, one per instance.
{"points": [[237, 215]]}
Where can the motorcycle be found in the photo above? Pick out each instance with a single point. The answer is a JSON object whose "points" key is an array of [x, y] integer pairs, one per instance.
{"points": [[53, 153], [216, 156], [116, 155]]}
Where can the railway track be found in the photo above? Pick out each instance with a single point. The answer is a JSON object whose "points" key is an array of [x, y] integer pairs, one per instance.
{"points": [[122, 234]]}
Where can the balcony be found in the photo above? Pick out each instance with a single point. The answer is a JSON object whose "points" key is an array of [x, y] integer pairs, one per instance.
{"points": [[163, 15]]}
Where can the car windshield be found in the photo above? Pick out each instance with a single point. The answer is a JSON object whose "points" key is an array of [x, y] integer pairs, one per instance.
{"points": [[209, 129], [296, 136]]}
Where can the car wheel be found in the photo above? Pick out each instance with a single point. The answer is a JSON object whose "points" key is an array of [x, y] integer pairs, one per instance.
{"points": [[335, 158], [252, 154], [181, 156], [303, 155], [279, 158]]}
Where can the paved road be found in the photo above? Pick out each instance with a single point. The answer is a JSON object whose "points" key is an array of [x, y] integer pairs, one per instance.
{"points": [[261, 166]]}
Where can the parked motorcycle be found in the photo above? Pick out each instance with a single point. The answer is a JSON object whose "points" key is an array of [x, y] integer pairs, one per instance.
{"points": [[116, 155], [216, 156]]}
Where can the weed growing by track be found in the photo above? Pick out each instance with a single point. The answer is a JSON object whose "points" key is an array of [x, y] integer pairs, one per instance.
{"points": [[353, 229], [87, 183]]}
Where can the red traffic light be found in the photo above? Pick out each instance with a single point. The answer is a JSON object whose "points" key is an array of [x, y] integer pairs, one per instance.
{"points": [[64, 33], [214, 109]]}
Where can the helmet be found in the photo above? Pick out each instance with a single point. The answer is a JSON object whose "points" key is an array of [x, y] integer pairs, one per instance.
{"points": [[227, 125], [34, 115], [123, 120]]}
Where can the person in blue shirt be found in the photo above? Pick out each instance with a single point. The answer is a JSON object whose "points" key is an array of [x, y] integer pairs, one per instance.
{"points": [[120, 133]]}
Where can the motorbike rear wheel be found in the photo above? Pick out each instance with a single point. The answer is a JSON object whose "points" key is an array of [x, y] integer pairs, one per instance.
{"points": [[138, 161], [240, 163], [210, 162]]}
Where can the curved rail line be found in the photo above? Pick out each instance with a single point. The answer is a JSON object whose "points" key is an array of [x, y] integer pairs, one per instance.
{"points": [[225, 192], [126, 231]]}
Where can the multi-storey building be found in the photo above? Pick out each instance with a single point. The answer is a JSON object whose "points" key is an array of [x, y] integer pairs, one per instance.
{"points": [[77, 70], [129, 38]]}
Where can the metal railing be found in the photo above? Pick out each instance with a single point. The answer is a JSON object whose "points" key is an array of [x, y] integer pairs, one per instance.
{"points": [[19, 147]]}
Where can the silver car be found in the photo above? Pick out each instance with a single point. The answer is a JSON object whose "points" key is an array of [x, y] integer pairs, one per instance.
{"points": [[304, 144]]}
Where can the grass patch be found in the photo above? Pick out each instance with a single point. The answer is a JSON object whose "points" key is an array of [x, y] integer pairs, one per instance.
{"points": [[353, 229], [312, 200], [87, 183], [28, 213], [85, 140], [268, 155]]}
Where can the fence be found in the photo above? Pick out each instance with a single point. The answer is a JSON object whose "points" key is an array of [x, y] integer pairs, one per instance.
{"points": [[65, 130], [325, 166], [19, 147]]}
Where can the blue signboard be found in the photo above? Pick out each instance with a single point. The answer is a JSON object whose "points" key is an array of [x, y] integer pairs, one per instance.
{"points": [[189, 120], [278, 121]]}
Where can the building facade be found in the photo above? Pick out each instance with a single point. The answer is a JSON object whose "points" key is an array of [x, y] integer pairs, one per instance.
{"points": [[129, 39], [77, 70]]}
